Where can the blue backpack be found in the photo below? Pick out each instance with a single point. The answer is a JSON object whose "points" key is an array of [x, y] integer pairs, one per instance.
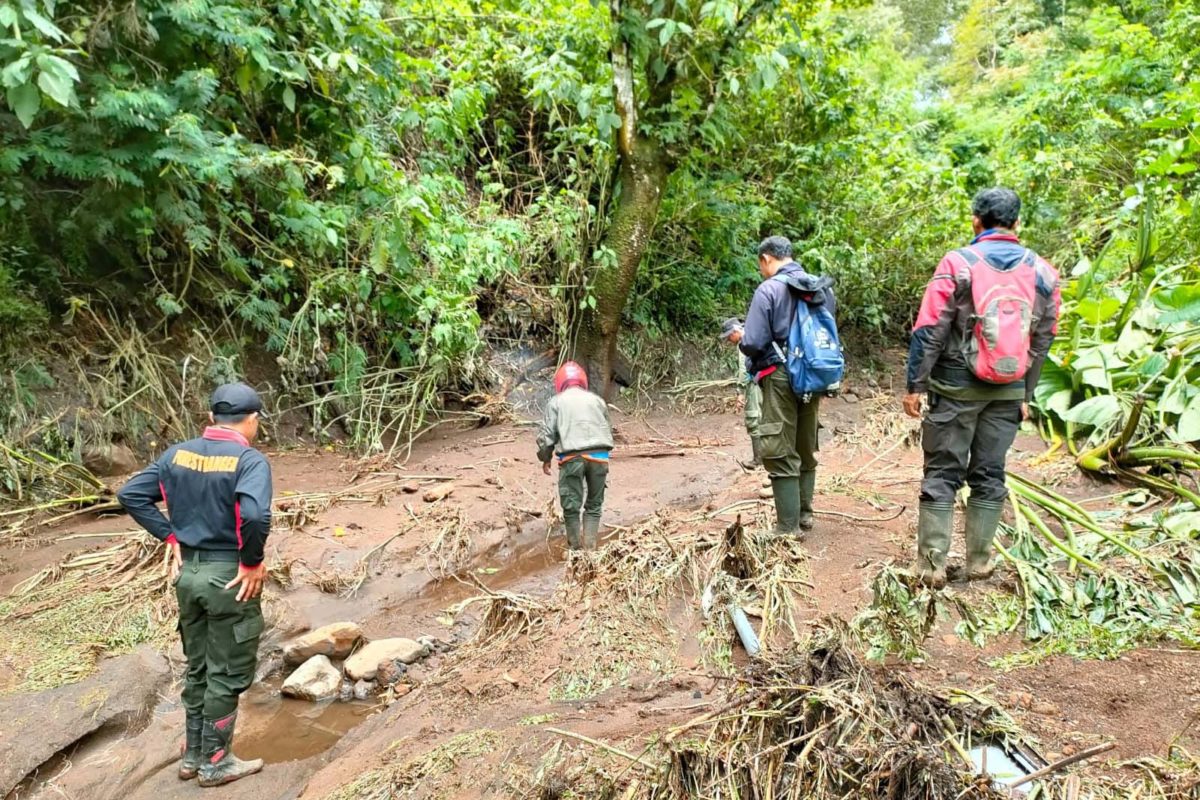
{"points": [[814, 359]]}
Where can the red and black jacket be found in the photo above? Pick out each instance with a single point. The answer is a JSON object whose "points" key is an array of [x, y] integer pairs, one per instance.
{"points": [[947, 309], [217, 490]]}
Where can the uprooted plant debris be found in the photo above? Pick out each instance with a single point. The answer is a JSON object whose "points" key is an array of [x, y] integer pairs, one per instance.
{"points": [[815, 722], [61, 621]]}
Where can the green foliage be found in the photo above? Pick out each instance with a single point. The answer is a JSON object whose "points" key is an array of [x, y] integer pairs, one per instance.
{"points": [[368, 191], [311, 173]]}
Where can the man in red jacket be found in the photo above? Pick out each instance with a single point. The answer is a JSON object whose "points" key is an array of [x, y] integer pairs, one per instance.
{"points": [[986, 323]]}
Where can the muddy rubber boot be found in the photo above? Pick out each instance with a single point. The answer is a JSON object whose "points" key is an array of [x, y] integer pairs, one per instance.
{"points": [[191, 759], [934, 524], [808, 486], [756, 459], [574, 540], [219, 765], [591, 532], [787, 505], [983, 517]]}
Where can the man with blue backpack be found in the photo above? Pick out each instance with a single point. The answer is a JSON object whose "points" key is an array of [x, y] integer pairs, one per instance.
{"points": [[985, 326], [794, 354]]}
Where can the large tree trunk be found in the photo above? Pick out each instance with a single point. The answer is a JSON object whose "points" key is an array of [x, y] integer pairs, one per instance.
{"points": [[642, 180]]}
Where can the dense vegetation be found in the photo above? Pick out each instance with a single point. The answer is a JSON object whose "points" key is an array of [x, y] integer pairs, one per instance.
{"points": [[368, 192]]}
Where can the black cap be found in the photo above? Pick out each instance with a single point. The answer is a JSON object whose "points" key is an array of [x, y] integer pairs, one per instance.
{"points": [[232, 399], [729, 326]]}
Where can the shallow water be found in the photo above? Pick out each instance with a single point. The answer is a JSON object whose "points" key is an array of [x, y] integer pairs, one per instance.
{"points": [[277, 728]]}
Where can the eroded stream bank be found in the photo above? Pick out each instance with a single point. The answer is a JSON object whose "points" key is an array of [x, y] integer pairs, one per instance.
{"points": [[365, 550], [382, 557]]}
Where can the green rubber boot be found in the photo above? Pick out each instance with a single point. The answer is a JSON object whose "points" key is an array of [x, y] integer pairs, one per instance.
{"points": [[808, 486], [219, 765], [983, 517], [573, 525], [934, 524], [786, 492], [591, 532], [756, 455], [191, 759]]}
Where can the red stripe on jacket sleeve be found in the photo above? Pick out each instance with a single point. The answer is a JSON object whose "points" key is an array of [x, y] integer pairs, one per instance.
{"points": [[938, 293], [237, 521], [163, 491]]}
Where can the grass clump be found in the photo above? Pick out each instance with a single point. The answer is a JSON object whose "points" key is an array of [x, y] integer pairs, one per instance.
{"points": [[58, 634], [397, 778]]}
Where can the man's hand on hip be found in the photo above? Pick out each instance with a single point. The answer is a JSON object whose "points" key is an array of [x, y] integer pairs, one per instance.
{"points": [[173, 560], [912, 404], [250, 579]]}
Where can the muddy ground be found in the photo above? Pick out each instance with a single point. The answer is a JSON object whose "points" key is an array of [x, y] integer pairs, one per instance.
{"points": [[478, 726]]}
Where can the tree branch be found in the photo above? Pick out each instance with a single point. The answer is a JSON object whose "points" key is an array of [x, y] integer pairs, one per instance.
{"points": [[732, 40], [623, 96]]}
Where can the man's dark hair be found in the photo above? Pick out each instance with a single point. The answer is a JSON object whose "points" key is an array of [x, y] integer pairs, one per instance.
{"points": [[997, 207], [779, 247], [229, 419]]}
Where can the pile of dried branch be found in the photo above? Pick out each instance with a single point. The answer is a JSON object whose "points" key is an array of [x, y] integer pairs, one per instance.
{"points": [[816, 723]]}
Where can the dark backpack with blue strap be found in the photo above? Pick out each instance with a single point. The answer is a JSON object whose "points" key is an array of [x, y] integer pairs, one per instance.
{"points": [[814, 359]]}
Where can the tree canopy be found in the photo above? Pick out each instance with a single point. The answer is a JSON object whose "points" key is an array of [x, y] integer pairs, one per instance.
{"points": [[370, 191]]}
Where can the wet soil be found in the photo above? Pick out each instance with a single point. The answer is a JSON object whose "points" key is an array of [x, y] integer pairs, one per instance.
{"points": [[1143, 701]]}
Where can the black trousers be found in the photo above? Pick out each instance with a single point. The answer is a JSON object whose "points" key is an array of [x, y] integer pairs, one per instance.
{"points": [[967, 441]]}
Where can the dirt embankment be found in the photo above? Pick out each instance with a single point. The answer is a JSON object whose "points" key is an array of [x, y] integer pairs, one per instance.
{"points": [[618, 667]]}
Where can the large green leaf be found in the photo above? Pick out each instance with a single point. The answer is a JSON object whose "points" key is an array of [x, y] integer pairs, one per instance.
{"points": [[57, 87], [1178, 304], [1185, 524], [1095, 412], [1095, 365], [48, 28], [1133, 341], [1097, 311], [1174, 397], [25, 100], [1188, 427]]}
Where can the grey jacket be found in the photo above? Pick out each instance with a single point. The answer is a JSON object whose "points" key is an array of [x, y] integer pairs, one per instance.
{"points": [[772, 310], [575, 421]]}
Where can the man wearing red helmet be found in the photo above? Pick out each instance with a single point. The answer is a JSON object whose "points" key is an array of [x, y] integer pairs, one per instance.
{"points": [[576, 430]]}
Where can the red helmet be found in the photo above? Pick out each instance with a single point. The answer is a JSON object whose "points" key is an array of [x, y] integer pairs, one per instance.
{"points": [[570, 374]]}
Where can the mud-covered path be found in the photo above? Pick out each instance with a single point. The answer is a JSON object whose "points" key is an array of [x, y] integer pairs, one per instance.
{"points": [[508, 506]]}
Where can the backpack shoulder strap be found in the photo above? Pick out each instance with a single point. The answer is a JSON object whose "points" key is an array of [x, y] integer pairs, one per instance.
{"points": [[967, 258]]}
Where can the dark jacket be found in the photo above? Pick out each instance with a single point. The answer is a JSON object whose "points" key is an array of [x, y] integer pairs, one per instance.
{"points": [[935, 352], [772, 309], [217, 490]]}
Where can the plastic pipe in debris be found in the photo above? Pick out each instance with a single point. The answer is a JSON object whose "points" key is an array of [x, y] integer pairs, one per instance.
{"points": [[744, 629]]}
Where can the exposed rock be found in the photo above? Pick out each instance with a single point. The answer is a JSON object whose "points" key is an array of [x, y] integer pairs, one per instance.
{"points": [[363, 690], [316, 679], [390, 671], [334, 641], [364, 665], [1045, 708], [1021, 700], [346, 693], [438, 493], [398, 691], [106, 461], [39, 725]]}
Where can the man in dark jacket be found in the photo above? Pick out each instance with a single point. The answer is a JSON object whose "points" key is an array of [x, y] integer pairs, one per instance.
{"points": [[788, 430], [970, 423], [217, 490]]}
